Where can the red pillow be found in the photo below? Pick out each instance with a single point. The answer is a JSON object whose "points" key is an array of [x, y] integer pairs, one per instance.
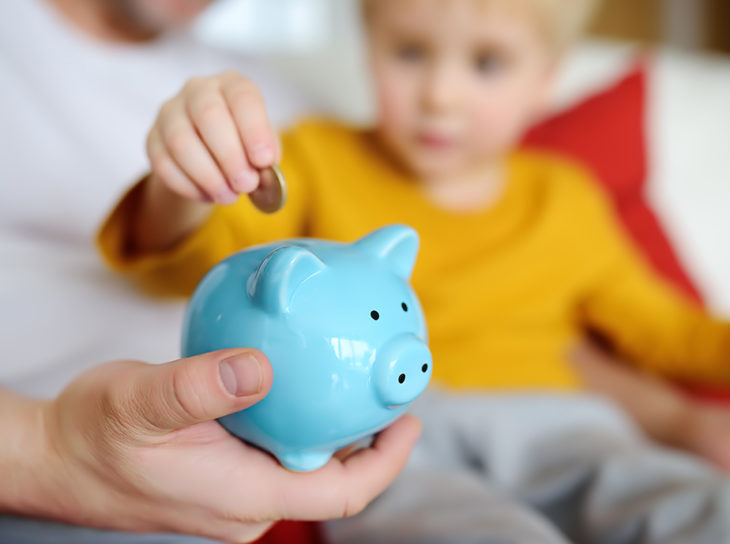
{"points": [[605, 132]]}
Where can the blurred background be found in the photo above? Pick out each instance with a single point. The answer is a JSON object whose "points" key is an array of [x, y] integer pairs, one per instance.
{"points": [[308, 37], [697, 24], [287, 25], [317, 44], [64, 87]]}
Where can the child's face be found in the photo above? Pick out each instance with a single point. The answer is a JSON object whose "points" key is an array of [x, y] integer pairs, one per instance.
{"points": [[457, 81]]}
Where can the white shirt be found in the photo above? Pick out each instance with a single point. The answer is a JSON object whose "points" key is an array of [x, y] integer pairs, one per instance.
{"points": [[74, 114]]}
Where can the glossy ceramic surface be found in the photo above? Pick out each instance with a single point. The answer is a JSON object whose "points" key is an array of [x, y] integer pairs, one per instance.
{"points": [[343, 330]]}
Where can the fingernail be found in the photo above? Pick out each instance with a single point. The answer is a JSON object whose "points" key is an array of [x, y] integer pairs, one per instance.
{"points": [[262, 155], [226, 197], [241, 375], [246, 181]]}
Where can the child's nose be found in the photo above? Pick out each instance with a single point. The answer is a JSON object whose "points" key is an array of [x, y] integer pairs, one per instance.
{"points": [[442, 90]]}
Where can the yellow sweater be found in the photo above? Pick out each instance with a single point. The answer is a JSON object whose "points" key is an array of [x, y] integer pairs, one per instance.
{"points": [[506, 290]]}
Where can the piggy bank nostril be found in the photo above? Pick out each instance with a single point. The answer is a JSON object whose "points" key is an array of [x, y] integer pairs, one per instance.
{"points": [[402, 369]]}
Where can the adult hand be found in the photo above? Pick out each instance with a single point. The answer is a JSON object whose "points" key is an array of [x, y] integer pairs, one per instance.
{"points": [[135, 447]]}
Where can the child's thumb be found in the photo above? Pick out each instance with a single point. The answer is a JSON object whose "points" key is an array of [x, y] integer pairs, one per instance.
{"points": [[201, 388]]}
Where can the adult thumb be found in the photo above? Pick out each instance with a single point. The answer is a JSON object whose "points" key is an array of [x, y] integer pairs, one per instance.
{"points": [[201, 388]]}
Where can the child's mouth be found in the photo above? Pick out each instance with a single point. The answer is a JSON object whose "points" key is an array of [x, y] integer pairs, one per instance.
{"points": [[436, 142]]}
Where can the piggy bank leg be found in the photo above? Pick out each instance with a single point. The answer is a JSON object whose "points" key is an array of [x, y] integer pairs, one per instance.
{"points": [[304, 461]]}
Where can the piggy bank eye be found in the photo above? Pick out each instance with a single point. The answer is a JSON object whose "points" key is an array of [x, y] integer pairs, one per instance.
{"points": [[404, 306], [375, 315]]}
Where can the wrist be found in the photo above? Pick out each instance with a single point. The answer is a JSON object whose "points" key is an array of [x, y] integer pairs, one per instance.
{"points": [[163, 217], [158, 196], [26, 466]]}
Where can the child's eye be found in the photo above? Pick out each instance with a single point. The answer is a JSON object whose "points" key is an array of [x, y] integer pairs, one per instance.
{"points": [[410, 52], [485, 63]]}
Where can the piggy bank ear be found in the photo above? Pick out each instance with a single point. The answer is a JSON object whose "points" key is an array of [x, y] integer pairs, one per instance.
{"points": [[273, 284], [395, 244]]}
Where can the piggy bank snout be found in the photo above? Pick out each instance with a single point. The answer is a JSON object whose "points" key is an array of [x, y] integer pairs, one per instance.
{"points": [[402, 370]]}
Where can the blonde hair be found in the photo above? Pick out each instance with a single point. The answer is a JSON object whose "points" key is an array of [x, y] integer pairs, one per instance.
{"points": [[562, 21]]}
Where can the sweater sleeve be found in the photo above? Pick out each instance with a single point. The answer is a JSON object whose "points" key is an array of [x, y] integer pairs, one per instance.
{"points": [[646, 318], [177, 270]]}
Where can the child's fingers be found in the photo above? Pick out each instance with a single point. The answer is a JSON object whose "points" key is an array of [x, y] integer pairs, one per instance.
{"points": [[168, 172], [212, 119], [190, 154], [278, 150], [249, 113]]}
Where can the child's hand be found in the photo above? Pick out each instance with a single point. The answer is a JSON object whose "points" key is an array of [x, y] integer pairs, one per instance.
{"points": [[210, 141], [135, 447]]}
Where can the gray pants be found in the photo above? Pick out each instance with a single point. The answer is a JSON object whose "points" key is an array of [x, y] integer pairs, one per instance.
{"points": [[526, 468], [510, 469], [14, 530]]}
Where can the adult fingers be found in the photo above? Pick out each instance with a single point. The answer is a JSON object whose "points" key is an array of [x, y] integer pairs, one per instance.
{"points": [[344, 488], [181, 393]]}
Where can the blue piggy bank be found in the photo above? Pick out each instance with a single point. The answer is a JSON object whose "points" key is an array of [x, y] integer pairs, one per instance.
{"points": [[343, 330]]}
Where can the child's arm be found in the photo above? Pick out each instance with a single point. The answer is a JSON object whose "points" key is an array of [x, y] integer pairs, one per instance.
{"points": [[206, 148], [646, 318], [163, 218]]}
